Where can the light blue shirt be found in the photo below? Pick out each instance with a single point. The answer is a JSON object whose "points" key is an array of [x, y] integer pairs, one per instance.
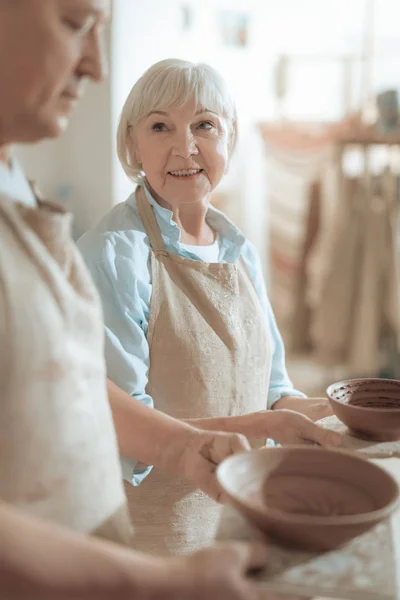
{"points": [[15, 185], [117, 253]]}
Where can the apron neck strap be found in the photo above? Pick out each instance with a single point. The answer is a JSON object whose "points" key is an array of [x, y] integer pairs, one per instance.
{"points": [[37, 194], [149, 220]]}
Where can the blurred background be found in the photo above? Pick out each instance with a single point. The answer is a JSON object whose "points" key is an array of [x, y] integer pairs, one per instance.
{"points": [[314, 182]]}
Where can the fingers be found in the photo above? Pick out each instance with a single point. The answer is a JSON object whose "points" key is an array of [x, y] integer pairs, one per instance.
{"points": [[324, 437], [203, 455], [221, 571], [254, 557], [239, 443], [243, 556], [222, 446], [206, 481]]}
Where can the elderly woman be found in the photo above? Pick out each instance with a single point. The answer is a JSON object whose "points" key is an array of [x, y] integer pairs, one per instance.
{"points": [[188, 324]]}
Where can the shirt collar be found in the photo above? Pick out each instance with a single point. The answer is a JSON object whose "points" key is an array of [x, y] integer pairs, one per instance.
{"points": [[231, 238]]}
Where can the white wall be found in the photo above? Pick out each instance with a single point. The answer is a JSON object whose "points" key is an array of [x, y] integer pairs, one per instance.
{"points": [[86, 156], [41, 163]]}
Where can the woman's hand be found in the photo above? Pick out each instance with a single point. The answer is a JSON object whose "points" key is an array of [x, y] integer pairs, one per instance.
{"points": [[289, 427], [313, 408], [202, 453], [204, 450]]}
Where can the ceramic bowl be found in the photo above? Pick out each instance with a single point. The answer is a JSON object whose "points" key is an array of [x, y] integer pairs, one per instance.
{"points": [[369, 407], [309, 497]]}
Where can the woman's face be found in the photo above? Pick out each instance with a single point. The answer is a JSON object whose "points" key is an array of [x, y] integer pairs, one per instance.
{"points": [[183, 152]]}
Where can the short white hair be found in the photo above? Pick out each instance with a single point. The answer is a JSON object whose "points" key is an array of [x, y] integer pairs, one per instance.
{"points": [[172, 82]]}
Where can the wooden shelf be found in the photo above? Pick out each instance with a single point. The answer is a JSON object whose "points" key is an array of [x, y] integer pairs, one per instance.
{"points": [[368, 137], [312, 136]]}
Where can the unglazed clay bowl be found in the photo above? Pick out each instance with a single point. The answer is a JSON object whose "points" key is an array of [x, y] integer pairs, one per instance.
{"points": [[308, 497], [369, 407]]}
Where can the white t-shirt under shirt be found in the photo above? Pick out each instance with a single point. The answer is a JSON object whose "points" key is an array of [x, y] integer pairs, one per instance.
{"points": [[15, 185], [208, 254]]}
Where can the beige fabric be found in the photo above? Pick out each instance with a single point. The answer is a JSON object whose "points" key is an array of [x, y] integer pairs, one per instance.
{"points": [[296, 159], [209, 356], [356, 307], [58, 453]]}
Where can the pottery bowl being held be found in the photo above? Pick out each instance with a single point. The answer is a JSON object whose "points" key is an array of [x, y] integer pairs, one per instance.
{"points": [[369, 407], [308, 497]]}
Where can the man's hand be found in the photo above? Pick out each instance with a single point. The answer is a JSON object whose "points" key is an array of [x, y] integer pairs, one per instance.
{"points": [[217, 573], [313, 408], [289, 427], [202, 453], [220, 573], [42, 561]]}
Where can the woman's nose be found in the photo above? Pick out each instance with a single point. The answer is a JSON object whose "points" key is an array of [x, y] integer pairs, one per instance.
{"points": [[185, 145]]}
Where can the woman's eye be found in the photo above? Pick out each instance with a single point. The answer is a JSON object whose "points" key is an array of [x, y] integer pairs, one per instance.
{"points": [[206, 125], [158, 127]]}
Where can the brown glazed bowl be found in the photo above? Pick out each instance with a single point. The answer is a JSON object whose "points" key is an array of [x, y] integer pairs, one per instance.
{"points": [[308, 497], [369, 407]]}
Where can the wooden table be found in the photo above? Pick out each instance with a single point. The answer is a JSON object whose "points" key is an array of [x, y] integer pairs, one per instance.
{"points": [[368, 568]]}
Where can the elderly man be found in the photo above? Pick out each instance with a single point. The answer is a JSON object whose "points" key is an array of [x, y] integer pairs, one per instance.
{"points": [[59, 471]]}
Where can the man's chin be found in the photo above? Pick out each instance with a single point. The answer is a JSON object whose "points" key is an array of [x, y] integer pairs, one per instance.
{"points": [[32, 128], [53, 129], [61, 125]]}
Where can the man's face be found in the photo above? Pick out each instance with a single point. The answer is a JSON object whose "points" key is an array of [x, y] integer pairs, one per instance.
{"points": [[47, 48]]}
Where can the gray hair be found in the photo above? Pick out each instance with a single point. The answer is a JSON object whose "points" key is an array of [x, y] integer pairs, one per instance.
{"points": [[172, 82]]}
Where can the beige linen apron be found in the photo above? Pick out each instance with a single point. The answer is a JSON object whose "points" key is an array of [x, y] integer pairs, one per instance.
{"points": [[210, 356], [58, 452]]}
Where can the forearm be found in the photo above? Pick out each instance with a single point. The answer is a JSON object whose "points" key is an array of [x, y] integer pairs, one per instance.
{"points": [[249, 425], [39, 561], [284, 402], [146, 434], [314, 408]]}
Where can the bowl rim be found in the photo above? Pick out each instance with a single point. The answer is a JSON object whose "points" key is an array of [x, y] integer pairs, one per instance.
{"points": [[386, 411], [310, 520]]}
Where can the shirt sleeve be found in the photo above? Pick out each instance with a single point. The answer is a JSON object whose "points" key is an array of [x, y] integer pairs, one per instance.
{"points": [[280, 384], [125, 300]]}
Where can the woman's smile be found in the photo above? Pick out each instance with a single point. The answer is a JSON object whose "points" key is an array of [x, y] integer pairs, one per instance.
{"points": [[186, 174]]}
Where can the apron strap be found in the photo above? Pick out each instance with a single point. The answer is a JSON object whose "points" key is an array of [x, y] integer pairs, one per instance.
{"points": [[37, 194], [149, 220]]}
